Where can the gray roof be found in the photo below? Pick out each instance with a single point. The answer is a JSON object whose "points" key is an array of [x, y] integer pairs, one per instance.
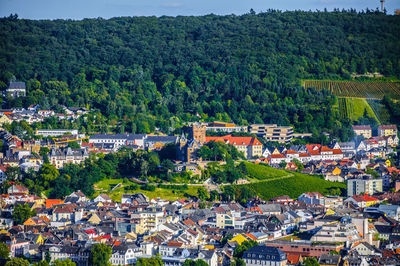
{"points": [[109, 136], [17, 86], [165, 139], [264, 253]]}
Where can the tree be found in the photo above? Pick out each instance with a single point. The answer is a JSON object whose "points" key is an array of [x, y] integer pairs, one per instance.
{"points": [[198, 262], [41, 263], [47, 174], [44, 151], [4, 251], [246, 245], [310, 261], [202, 193], [100, 255], [17, 262], [22, 212], [74, 145], [153, 261], [66, 262]]}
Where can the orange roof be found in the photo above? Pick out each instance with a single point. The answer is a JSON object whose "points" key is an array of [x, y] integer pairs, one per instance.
{"points": [[247, 141], [277, 156], [251, 236], [51, 202], [291, 152], [173, 243], [293, 259]]}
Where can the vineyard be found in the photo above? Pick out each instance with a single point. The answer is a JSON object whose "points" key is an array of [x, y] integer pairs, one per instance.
{"points": [[354, 108], [357, 89]]}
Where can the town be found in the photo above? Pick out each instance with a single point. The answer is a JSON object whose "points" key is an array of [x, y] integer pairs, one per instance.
{"points": [[358, 225]]}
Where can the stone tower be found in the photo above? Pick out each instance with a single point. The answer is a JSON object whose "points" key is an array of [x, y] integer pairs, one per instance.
{"points": [[198, 132]]}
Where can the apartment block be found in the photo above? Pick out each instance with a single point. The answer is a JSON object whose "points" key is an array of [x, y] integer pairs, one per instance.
{"points": [[366, 185], [273, 132]]}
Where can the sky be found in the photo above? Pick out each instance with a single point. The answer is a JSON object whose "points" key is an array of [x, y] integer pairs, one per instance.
{"points": [[79, 9]]}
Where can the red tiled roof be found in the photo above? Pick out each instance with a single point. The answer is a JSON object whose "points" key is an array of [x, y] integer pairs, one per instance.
{"points": [[189, 222], [90, 231], [360, 198], [247, 141]]}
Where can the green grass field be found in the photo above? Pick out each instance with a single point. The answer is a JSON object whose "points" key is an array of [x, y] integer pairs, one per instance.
{"points": [[263, 172], [292, 184], [106, 185]]}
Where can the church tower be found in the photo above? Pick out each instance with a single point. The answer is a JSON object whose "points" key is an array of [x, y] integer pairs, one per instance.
{"points": [[198, 132]]}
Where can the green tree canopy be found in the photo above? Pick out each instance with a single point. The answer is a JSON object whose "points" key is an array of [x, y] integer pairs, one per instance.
{"points": [[100, 255], [22, 212]]}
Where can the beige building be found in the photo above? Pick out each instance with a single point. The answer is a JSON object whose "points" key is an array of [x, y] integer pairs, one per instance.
{"points": [[225, 127], [363, 130], [387, 130], [273, 132]]}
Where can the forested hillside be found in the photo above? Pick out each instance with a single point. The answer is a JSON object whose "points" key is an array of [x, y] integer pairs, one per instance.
{"points": [[148, 72]]}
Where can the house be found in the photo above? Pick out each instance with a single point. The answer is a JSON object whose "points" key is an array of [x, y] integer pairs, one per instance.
{"points": [[59, 157], [310, 197], [77, 196], [362, 201], [102, 198], [17, 189], [264, 255], [366, 249], [363, 130], [329, 260], [387, 130], [250, 146], [16, 89], [392, 211], [125, 253], [180, 255]]}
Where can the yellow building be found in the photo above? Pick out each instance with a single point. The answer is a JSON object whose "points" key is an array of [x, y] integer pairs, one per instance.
{"points": [[363, 130], [387, 130]]}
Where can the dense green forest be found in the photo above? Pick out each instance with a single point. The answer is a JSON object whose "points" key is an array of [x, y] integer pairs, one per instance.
{"points": [[142, 73]]}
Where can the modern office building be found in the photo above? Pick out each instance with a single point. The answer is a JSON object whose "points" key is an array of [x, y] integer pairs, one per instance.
{"points": [[273, 132]]}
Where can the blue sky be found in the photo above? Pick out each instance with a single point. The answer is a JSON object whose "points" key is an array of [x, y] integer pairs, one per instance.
{"points": [[78, 9]]}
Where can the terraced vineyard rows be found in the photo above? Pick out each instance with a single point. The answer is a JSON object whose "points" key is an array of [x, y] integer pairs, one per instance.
{"points": [[354, 108], [357, 89], [343, 108]]}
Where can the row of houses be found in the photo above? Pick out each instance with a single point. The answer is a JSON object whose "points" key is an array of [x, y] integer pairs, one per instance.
{"points": [[180, 230]]}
